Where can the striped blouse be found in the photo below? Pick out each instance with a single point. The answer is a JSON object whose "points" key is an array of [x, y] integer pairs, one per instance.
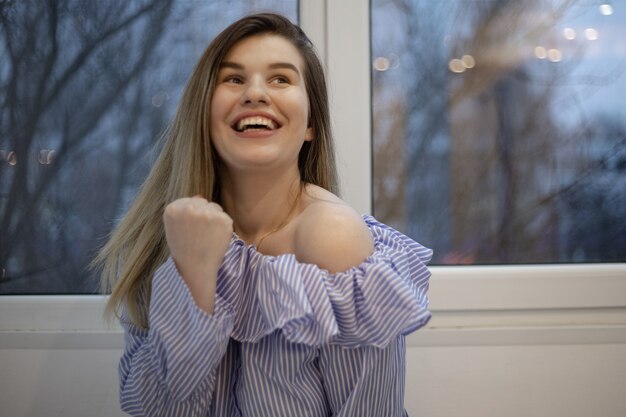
{"points": [[285, 338]]}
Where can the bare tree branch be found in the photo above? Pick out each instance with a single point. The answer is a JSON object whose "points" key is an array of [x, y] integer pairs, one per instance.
{"points": [[14, 223]]}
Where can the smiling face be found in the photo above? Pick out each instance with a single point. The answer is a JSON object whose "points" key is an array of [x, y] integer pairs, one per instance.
{"points": [[259, 109]]}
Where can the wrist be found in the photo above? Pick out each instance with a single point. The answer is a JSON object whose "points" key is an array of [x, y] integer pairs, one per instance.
{"points": [[203, 295], [201, 283]]}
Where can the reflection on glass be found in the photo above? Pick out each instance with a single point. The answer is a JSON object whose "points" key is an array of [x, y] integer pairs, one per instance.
{"points": [[86, 87], [521, 159]]}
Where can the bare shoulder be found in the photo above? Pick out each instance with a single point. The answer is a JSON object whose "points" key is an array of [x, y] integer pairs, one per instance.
{"points": [[330, 233]]}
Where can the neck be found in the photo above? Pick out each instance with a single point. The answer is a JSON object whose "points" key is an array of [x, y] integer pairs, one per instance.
{"points": [[260, 204]]}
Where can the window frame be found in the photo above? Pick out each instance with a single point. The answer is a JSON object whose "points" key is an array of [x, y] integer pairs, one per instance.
{"points": [[462, 297]]}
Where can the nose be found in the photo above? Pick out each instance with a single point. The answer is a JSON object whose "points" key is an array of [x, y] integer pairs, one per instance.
{"points": [[256, 92]]}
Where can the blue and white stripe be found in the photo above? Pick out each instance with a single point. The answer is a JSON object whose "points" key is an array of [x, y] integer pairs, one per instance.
{"points": [[286, 338]]}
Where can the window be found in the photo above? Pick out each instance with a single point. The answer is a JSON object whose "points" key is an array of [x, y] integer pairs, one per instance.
{"points": [[498, 128], [85, 90], [462, 298]]}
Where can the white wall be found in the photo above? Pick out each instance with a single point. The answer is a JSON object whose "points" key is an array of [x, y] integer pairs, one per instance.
{"points": [[517, 381], [490, 380], [59, 383]]}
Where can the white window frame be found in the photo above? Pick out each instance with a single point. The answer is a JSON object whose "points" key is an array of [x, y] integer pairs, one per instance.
{"points": [[471, 304]]}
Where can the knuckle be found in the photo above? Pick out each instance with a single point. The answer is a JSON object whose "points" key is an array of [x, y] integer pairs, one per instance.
{"points": [[170, 210], [214, 206]]}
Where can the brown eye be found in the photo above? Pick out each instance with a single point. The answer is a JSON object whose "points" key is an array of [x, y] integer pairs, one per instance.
{"points": [[280, 80], [234, 80]]}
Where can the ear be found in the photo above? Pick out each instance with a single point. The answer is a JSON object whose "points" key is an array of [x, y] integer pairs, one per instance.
{"points": [[308, 135]]}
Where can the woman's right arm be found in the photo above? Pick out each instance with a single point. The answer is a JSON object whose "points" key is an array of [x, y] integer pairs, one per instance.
{"points": [[170, 369]]}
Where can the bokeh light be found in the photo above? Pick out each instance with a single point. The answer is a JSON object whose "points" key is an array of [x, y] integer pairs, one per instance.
{"points": [[456, 66], [554, 55], [606, 9], [381, 64], [468, 61], [569, 34], [591, 34], [541, 53]]}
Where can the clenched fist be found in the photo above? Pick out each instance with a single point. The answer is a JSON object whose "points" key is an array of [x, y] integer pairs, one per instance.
{"points": [[198, 233]]}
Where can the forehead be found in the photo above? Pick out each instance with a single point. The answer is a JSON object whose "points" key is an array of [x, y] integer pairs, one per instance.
{"points": [[265, 49]]}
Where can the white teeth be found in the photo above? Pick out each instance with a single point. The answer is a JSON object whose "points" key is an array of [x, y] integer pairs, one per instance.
{"points": [[257, 120]]}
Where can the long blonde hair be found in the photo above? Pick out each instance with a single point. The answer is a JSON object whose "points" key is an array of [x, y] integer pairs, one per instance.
{"points": [[188, 165]]}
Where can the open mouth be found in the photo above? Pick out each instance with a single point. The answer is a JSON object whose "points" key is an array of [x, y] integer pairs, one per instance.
{"points": [[255, 124]]}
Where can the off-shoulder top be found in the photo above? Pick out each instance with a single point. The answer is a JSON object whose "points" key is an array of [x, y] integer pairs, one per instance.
{"points": [[285, 338]]}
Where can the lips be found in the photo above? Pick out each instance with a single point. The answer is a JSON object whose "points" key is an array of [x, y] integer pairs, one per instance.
{"points": [[248, 123]]}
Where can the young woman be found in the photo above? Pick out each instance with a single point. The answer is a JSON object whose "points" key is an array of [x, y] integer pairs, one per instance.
{"points": [[244, 285]]}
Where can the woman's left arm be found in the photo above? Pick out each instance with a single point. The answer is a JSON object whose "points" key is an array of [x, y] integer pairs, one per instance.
{"points": [[372, 281], [365, 381]]}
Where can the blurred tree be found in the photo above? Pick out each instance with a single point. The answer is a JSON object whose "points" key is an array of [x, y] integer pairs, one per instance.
{"points": [[410, 124], [67, 66], [472, 126]]}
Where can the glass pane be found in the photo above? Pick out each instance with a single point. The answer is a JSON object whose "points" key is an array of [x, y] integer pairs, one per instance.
{"points": [[85, 89], [500, 129]]}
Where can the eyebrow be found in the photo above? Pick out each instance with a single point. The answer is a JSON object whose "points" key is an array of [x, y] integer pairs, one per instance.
{"points": [[285, 65], [276, 65]]}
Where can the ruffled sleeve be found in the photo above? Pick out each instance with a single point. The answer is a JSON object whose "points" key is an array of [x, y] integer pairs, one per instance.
{"points": [[170, 369], [367, 305]]}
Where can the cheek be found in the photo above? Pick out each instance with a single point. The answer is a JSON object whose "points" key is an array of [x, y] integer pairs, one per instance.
{"points": [[216, 118], [306, 107], [301, 103], [219, 106]]}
